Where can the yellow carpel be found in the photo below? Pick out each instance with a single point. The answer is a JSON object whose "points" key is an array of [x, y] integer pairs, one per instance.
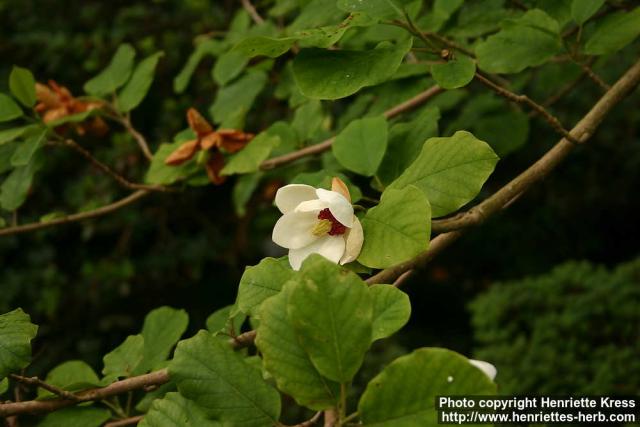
{"points": [[322, 227]]}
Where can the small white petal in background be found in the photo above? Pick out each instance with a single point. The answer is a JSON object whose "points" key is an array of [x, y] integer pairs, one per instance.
{"points": [[485, 367]]}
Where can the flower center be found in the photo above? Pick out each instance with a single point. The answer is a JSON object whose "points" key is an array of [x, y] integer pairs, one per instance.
{"points": [[328, 224]]}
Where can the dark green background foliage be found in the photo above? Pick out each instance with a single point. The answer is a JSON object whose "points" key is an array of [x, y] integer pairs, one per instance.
{"points": [[90, 284], [575, 328]]}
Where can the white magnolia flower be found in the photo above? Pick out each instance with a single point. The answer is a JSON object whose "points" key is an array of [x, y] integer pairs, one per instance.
{"points": [[485, 367], [317, 221]]}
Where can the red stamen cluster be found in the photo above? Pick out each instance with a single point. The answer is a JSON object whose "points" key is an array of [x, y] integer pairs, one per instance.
{"points": [[336, 227]]}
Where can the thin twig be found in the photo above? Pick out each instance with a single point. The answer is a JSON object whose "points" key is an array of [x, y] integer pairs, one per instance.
{"points": [[310, 422], [37, 382], [125, 422], [593, 76], [323, 146], [114, 389], [243, 340], [252, 12], [581, 132], [81, 216], [330, 417], [402, 278], [524, 99], [140, 382], [113, 174], [140, 139]]}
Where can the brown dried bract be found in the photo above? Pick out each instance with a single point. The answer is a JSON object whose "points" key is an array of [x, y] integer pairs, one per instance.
{"points": [[56, 102], [339, 186], [208, 139]]}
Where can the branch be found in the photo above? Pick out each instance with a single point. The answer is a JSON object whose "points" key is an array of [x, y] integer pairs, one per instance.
{"points": [[252, 12], [107, 170], [321, 147], [35, 381], [144, 382], [243, 340], [104, 210], [125, 422], [140, 139], [453, 228], [524, 99], [116, 388]]}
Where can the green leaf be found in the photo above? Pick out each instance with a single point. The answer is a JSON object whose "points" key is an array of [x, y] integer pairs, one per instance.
{"points": [[243, 189], [252, 155], [307, 120], [115, 75], [124, 359], [73, 375], [23, 86], [450, 171], [331, 311], [26, 149], [211, 374], [203, 49], [265, 46], [228, 66], [285, 358], [262, 281], [174, 410], [581, 10], [163, 174], [9, 110], [138, 86], [316, 37], [454, 73], [406, 141], [375, 8], [333, 74], [391, 310], [528, 41], [4, 386], [79, 416], [315, 13], [405, 392], [614, 32], [15, 188], [360, 147], [225, 320], [16, 333], [235, 100], [397, 229], [162, 328], [8, 135]]}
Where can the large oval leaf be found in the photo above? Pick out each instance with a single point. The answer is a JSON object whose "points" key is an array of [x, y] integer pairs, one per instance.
{"points": [[331, 311], [287, 361], [211, 374], [450, 171], [404, 393], [397, 229], [333, 74], [16, 333]]}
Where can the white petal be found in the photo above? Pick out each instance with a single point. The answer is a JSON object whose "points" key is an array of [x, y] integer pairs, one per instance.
{"points": [[290, 196], [293, 230], [485, 367], [340, 208], [354, 239], [315, 205], [330, 247]]}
